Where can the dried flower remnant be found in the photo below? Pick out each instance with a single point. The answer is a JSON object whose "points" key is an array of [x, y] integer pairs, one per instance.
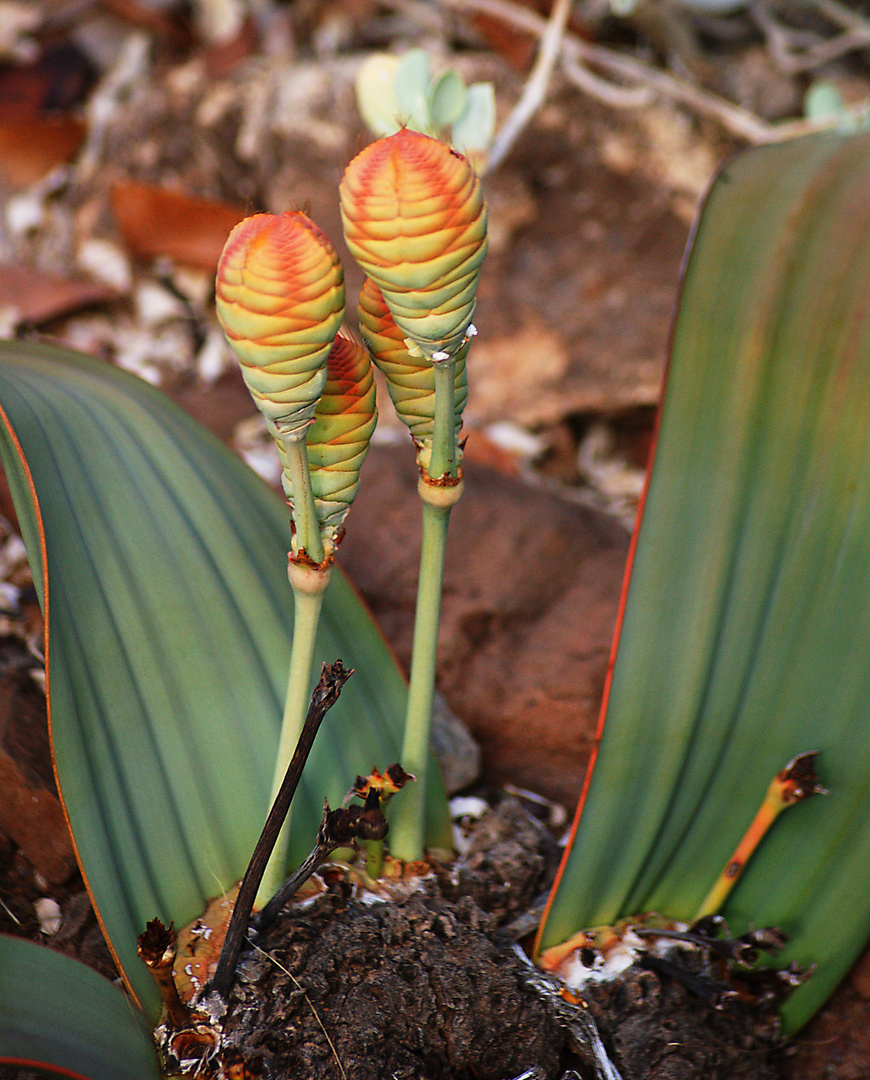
{"points": [[386, 784], [157, 950], [415, 220]]}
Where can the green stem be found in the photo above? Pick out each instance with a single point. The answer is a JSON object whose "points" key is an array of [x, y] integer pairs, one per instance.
{"points": [[307, 537], [443, 461], [407, 831], [374, 850], [308, 600]]}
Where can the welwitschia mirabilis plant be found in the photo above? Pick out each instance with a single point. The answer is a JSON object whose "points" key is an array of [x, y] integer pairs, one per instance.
{"points": [[415, 220], [160, 558], [743, 638], [280, 301]]}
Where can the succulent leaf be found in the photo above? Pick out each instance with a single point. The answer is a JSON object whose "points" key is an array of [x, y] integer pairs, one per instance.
{"points": [[742, 634], [410, 378], [411, 87], [415, 220], [376, 95], [280, 301], [161, 560], [339, 438], [447, 99], [474, 130]]}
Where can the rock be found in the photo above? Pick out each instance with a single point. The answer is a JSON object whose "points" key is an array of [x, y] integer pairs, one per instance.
{"points": [[456, 750]]}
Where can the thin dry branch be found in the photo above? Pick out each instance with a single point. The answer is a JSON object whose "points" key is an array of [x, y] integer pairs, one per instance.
{"points": [[535, 90], [638, 75], [618, 97], [787, 50], [840, 15]]}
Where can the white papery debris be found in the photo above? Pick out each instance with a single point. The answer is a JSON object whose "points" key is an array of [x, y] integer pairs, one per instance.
{"points": [[49, 915], [214, 357], [25, 213], [156, 305], [107, 262], [255, 445], [515, 439]]}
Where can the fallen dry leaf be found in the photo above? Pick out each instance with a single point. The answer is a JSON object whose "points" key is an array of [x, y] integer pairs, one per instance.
{"points": [[531, 589], [32, 146], [155, 221], [57, 80], [35, 296]]}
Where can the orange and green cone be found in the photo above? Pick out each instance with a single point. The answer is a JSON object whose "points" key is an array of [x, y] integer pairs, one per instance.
{"points": [[410, 378], [280, 302], [338, 440], [415, 220]]}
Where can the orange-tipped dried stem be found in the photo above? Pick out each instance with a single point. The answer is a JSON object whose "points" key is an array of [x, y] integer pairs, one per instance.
{"points": [[551, 958], [157, 949], [797, 781]]}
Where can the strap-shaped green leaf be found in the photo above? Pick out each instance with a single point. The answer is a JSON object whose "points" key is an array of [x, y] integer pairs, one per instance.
{"points": [[169, 622], [744, 636], [59, 1015]]}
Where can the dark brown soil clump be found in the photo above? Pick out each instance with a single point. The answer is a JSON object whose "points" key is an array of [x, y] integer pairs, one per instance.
{"points": [[429, 985], [416, 990], [656, 1029]]}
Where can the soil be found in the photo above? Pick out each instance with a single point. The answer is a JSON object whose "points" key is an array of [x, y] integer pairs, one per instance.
{"points": [[430, 985]]}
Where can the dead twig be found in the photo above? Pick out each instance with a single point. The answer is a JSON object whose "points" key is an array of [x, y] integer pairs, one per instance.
{"points": [[840, 15], [332, 679], [617, 97], [535, 90], [787, 47], [638, 74], [339, 828]]}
